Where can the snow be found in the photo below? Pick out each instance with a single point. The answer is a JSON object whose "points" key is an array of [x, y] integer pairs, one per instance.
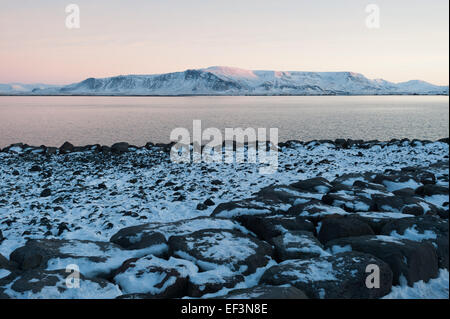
{"points": [[86, 290], [393, 186], [87, 210], [336, 249], [222, 80], [316, 271], [387, 239], [224, 246], [413, 234], [138, 279], [4, 273], [434, 289]]}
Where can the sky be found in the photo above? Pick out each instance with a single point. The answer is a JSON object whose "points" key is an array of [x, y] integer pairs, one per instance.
{"points": [[158, 36]]}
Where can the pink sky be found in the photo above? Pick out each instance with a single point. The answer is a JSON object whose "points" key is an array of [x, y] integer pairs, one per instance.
{"points": [[149, 36]]}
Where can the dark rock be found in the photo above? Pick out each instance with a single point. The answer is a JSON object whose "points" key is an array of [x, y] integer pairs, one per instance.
{"points": [[430, 190], [52, 284], [313, 185], [35, 168], [46, 193], [159, 278], [66, 148], [424, 228], [121, 147], [266, 292], [210, 282], [342, 276], [209, 202], [408, 259], [103, 257], [404, 192], [136, 237], [297, 245], [156, 234], [201, 206], [270, 226], [241, 207], [333, 228], [236, 250]]}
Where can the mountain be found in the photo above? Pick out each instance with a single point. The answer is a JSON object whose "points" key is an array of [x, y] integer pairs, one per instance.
{"points": [[234, 81], [18, 88]]}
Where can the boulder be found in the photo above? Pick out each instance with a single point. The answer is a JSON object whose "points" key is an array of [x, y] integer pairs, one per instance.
{"points": [[52, 284], [154, 234], [342, 276], [424, 228], [267, 227], [409, 260], [93, 257], [211, 248], [155, 277], [333, 228], [242, 207], [266, 292], [121, 147], [66, 148], [297, 245], [430, 190], [313, 185], [315, 211]]}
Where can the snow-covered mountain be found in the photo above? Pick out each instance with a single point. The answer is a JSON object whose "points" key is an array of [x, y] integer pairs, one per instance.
{"points": [[234, 81], [18, 88]]}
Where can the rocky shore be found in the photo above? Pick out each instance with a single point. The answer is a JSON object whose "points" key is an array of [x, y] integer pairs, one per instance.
{"points": [[140, 226]]}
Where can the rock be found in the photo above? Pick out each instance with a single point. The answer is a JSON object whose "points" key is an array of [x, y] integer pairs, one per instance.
{"points": [[209, 202], [377, 220], [297, 245], [156, 234], [281, 194], [51, 284], [155, 277], [66, 148], [210, 248], [94, 258], [243, 207], [350, 179], [266, 292], [201, 206], [430, 190], [315, 211], [212, 281], [404, 192], [313, 185], [267, 227], [46, 193], [1, 237], [424, 228], [396, 180], [35, 168], [342, 276], [407, 259], [121, 147], [333, 228], [136, 237], [5, 266], [349, 201]]}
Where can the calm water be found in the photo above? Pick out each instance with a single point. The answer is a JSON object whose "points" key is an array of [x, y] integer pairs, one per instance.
{"points": [[105, 120]]}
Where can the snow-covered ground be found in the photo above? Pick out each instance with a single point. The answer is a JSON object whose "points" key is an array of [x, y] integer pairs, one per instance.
{"points": [[90, 196]]}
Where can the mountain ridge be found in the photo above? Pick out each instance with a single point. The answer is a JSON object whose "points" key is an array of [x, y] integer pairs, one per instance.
{"points": [[229, 81]]}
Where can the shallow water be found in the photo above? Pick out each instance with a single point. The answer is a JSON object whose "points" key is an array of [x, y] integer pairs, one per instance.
{"points": [[137, 120]]}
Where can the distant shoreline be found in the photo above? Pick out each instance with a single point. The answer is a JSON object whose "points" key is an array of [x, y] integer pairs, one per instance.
{"points": [[216, 95]]}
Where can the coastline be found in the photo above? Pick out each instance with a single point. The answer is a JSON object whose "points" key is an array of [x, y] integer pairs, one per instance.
{"points": [[346, 199]]}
